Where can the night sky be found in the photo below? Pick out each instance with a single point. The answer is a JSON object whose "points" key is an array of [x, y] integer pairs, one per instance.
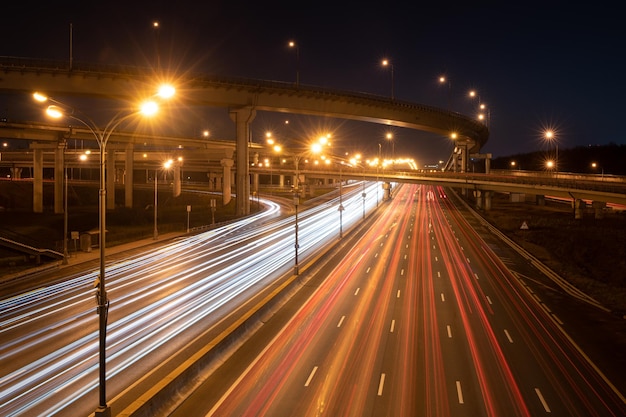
{"points": [[535, 66]]}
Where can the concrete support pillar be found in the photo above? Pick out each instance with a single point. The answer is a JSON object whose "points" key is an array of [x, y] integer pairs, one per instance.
{"points": [[38, 180], [178, 188], [579, 208], [227, 164], [517, 197], [488, 163], [16, 173], [464, 159], [281, 180], [110, 179], [255, 177], [479, 197], [598, 208], [487, 200], [59, 168], [242, 118], [214, 181], [540, 200], [129, 179]]}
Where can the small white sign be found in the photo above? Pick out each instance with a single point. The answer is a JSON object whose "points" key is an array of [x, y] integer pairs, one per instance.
{"points": [[524, 226]]}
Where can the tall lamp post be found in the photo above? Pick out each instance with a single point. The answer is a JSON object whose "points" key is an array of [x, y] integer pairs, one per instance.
{"points": [[314, 148], [65, 214], [293, 44], [444, 80], [166, 165], [387, 63], [58, 110], [551, 136]]}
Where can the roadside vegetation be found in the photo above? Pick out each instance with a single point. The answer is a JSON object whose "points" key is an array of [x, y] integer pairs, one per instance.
{"points": [[590, 253]]}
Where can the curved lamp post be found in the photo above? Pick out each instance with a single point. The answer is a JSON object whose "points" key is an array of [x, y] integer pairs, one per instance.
{"points": [[294, 45], [58, 110], [166, 166], [387, 63], [312, 149]]}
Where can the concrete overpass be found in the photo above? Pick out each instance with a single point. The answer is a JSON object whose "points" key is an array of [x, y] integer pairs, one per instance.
{"points": [[242, 97]]}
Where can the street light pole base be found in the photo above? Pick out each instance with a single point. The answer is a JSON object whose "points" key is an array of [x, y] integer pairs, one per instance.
{"points": [[103, 411]]}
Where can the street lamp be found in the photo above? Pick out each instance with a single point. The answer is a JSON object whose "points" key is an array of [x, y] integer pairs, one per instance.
{"points": [[293, 44], [444, 80], [65, 214], [58, 110], [156, 27], [551, 136], [387, 63], [166, 165], [389, 137], [313, 148], [595, 165]]}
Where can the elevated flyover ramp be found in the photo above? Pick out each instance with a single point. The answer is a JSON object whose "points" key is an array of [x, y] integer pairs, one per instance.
{"points": [[243, 97]]}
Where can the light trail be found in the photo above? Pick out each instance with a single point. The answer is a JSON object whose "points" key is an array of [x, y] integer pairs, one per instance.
{"points": [[157, 297]]}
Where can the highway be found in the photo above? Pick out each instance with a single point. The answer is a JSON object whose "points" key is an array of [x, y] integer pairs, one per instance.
{"points": [[417, 317], [164, 304]]}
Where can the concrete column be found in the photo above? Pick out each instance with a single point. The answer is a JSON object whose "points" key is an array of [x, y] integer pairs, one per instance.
{"points": [[478, 195], [227, 164], [517, 197], [598, 208], [59, 168], [488, 163], [129, 178], [176, 191], [38, 180], [110, 178], [213, 177], [540, 200], [579, 208], [255, 177], [488, 195], [281, 180], [16, 173], [242, 118]]}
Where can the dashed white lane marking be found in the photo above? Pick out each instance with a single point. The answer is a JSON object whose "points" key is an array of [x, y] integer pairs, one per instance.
{"points": [[311, 375], [341, 321], [459, 392], [508, 336], [543, 401], [381, 384]]}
